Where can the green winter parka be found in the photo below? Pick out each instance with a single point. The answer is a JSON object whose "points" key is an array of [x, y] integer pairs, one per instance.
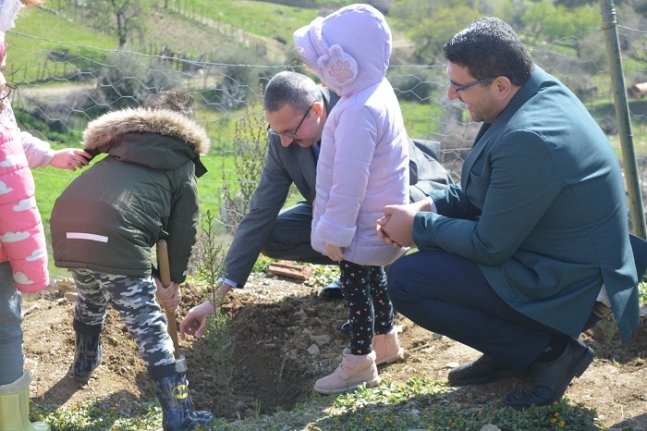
{"points": [[142, 191]]}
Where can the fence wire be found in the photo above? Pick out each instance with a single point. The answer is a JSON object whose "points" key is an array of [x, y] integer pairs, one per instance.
{"points": [[62, 86]]}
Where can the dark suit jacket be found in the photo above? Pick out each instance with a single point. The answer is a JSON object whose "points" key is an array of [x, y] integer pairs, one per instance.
{"points": [[541, 209], [297, 165]]}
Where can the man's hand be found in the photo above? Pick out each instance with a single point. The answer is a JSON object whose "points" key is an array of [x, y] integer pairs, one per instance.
{"points": [[169, 296], [70, 158], [195, 322], [334, 252], [396, 227]]}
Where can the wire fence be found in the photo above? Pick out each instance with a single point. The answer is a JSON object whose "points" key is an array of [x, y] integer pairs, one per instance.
{"points": [[62, 86]]}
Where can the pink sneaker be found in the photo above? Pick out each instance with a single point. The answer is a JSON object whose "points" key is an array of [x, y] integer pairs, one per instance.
{"points": [[387, 348], [353, 371]]}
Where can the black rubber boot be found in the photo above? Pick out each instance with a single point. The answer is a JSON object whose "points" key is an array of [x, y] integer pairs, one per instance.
{"points": [[87, 352], [172, 391]]}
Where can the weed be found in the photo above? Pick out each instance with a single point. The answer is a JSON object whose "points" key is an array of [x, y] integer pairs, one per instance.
{"points": [[262, 264], [249, 150], [642, 292], [323, 275]]}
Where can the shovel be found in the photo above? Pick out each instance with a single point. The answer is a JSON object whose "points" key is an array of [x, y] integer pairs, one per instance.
{"points": [[165, 278]]}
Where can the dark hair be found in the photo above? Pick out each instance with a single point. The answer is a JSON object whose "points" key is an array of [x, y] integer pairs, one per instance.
{"points": [[292, 88], [489, 47], [177, 100]]}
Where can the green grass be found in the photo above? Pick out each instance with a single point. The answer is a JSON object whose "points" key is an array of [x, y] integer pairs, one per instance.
{"points": [[39, 32], [265, 19], [418, 403], [421, 119]]}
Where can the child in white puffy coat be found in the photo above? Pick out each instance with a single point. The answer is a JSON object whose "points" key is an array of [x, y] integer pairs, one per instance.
{"points": [[362, 167]]}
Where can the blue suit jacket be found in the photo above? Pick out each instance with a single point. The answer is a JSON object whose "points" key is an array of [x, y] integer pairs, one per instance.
{"points": [[541, 209]]}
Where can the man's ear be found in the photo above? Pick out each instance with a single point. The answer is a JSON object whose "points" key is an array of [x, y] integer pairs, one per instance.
{"points": [[319, 108], [504, 87]]}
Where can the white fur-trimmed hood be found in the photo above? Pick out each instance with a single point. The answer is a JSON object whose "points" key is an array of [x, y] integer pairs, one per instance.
{"points": [[101, 132]]}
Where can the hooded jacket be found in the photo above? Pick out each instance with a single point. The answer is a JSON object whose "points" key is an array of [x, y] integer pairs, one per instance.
{"points": [[144, 190], [363, 163], [22, 239]]}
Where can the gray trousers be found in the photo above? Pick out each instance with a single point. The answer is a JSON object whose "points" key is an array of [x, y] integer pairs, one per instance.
{"points": [[290, 238], [11, 356], [134, 299]]}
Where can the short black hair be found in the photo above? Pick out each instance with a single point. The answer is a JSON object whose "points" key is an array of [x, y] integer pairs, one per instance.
{"points": [[489, 47]]}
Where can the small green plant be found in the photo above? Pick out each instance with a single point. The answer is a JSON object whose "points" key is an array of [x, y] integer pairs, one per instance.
{"points": [[218, 335], [208, 254], [642, 292], [323, 275], [221, 350], [262, 263]]}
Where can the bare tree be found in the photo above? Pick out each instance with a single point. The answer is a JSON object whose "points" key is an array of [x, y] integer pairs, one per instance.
{"points": [[125, 17]]}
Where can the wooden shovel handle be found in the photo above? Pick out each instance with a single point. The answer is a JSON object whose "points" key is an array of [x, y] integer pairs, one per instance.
{"points": [[165, 278]]}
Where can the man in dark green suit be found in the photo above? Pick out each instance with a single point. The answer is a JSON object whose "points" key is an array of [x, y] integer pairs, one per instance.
{"points": [[513, 261]]}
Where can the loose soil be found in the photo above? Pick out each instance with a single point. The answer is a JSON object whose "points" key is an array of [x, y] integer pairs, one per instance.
{"points": [[283, 338]]}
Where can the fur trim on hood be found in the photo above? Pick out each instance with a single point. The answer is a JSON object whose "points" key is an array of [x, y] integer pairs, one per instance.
{"points": [[101, 132]]}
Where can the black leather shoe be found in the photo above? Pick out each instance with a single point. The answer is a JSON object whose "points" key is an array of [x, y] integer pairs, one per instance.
{"points": [[344, 330], [481, 371], [547, 381], [332, 291]]}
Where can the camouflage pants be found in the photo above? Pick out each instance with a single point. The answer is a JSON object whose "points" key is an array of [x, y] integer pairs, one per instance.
{"points": [[134, 299]]}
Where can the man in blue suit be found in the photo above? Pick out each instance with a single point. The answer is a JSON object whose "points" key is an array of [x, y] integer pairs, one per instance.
{"points": [[518, 257]]}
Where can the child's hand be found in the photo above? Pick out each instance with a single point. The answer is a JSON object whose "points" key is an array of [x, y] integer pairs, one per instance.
{"points": [[195, 322], [70, 158], [168, 297], [334, 252]]}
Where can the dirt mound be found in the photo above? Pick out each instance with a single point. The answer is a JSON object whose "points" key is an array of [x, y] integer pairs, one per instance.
{"points": [[282, 338]]}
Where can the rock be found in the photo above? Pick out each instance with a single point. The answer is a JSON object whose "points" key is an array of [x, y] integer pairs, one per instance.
{"points": [[320, 339], [313, 350], [240, 407]]}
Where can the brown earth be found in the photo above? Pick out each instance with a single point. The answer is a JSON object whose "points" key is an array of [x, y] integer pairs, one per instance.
{"points": [[283, 338]]}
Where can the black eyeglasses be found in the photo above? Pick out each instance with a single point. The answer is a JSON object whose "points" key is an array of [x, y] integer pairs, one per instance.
{"points": [[458, 88], [290, 134]]}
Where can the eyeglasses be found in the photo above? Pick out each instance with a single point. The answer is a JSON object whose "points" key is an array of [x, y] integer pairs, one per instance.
{"points": [[458, 88], [296, 130]]}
